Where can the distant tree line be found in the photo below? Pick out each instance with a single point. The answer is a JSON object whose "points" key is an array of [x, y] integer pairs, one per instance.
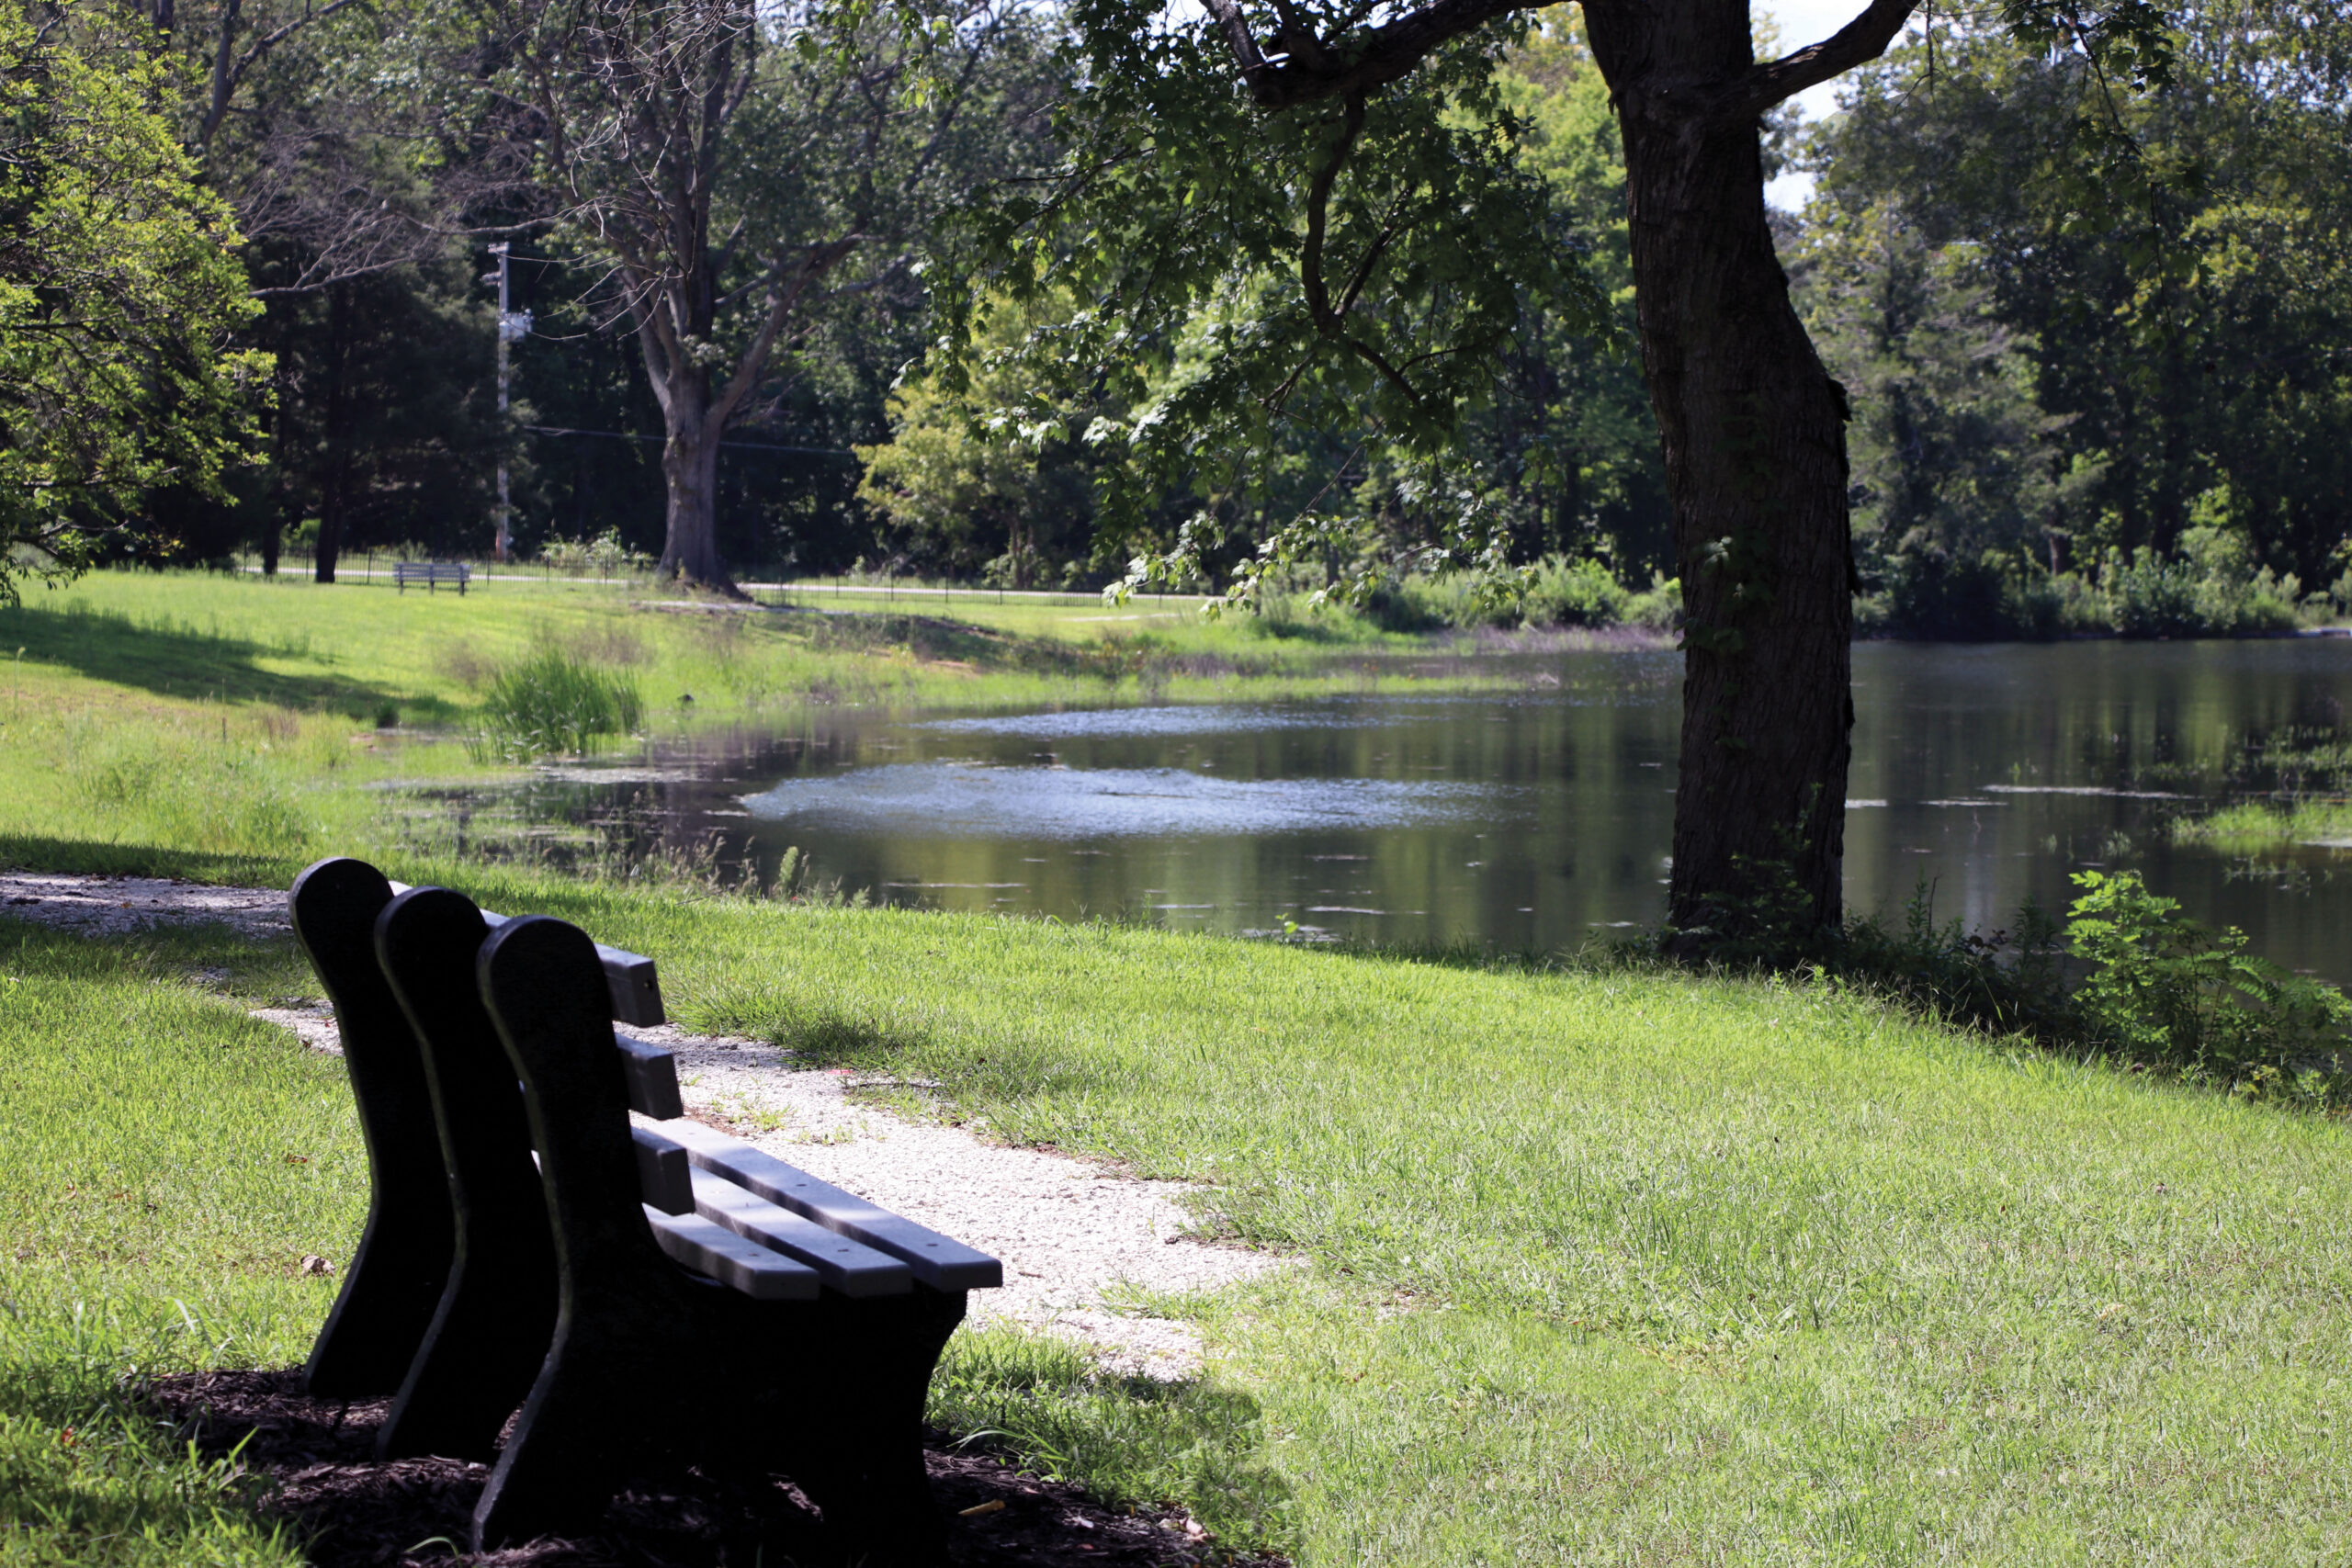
{"points": [[2078, 401]]}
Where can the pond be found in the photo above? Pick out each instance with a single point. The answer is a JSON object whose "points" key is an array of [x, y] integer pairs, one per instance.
{"points": [[1533, 818]]}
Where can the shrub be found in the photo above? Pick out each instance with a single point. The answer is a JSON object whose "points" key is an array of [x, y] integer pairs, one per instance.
{"points": [[1658, 607], [2163, 988], [1562, 592], [2211, 590], [554, 702]]}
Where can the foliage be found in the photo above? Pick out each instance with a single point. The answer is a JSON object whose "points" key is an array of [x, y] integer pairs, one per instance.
{"points": [[2163, 988], [2213, 589], [1568, 447], [1284, 305], [556, 702], [2010, 981], [605, 555], [1952, 460], [739, 173], [118, 289], [970, 489], [2124, 313]]}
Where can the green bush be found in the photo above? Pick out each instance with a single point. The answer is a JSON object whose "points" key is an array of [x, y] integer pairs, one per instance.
{"points": [[553, 703], [1658, 607], [1564, 592], [2163, 988], [2211, 590], [2133, 979]]}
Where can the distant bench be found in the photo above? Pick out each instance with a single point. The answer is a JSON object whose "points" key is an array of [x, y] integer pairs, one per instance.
{"points": [[431, 573], [652, 1293]]}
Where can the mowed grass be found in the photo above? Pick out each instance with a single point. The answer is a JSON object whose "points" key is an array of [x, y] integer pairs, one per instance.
{"points": [[1602, 1266], [165, 1162], [1627, 1268], [1618, 1267]]}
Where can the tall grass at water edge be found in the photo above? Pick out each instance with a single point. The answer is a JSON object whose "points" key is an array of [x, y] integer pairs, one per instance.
{"points": [[555, 704]]}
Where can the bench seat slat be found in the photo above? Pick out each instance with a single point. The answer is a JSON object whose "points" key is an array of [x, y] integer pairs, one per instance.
{"points": [[746, 1266], [850, 1268], [938, 1261]]}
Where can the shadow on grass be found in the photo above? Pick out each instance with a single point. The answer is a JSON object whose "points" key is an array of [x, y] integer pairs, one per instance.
{"points": [[91, 857], [933, 638], [176, 660]]}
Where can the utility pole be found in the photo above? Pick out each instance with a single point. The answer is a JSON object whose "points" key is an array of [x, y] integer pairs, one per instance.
{"points": [[513, 327]]}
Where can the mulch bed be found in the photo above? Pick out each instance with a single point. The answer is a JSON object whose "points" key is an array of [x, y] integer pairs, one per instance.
{"points": [[311, 1460]]}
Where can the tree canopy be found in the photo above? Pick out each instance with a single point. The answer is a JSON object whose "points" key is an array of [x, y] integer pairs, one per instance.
{"points": [[118, 289]]}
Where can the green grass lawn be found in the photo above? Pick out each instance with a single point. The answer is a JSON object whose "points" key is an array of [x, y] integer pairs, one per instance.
{"points": [[1605, 1267]]}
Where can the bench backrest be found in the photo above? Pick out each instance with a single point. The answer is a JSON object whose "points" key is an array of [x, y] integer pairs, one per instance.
{"points": [[394, 1283]]}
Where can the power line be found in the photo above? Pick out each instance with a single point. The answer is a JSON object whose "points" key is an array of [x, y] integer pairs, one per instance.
{"points": [[657, 440]]}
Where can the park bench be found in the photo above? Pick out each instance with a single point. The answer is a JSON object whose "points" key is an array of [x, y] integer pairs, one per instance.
{"points": [[546, 1230], [431, 573]]}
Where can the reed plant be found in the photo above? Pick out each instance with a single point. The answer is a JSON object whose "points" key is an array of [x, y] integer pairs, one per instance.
{"points": [[555, 703]]}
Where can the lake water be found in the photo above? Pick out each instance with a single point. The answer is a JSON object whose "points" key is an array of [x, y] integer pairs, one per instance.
{"points": [[1530, 819]]}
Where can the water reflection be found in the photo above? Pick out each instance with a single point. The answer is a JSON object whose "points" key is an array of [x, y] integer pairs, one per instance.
{"points": [[958, 799], [1532, 820]]}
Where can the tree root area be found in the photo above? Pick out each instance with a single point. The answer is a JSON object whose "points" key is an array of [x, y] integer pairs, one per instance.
{"points": [[311, 1462]]}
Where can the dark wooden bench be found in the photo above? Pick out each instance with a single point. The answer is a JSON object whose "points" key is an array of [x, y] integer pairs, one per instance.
{"points": [[546, 1230], [431, 573]]}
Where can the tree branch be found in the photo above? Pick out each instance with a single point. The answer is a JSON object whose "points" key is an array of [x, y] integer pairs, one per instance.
{"points": [[1859, 42], [817, 261], [1310, 69]]}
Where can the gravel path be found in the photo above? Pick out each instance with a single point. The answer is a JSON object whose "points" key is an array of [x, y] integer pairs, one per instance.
{"points": [[1078, 1240], [110, 906]]}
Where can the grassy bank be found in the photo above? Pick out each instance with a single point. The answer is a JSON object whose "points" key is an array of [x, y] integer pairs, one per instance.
{"points": [[244, 723], [1605, 1267], [2254, 825]]}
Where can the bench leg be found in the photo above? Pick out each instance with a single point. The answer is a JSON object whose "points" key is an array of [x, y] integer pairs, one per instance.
{"points": [[857, 1443], [605, 1408]]}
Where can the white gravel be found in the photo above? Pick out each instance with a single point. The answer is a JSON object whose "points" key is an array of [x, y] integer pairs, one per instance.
{"points": [[1080, 1243], [1078, 1240]]}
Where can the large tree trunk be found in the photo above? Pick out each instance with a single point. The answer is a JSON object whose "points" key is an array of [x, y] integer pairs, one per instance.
{"points": [[689, 464], [690, 471], [334, 474], [1754, 435]]}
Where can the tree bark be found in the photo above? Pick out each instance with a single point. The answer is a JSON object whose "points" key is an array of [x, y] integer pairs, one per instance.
{"points": [[690, 471], [334, 474], [1753, 430]]}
